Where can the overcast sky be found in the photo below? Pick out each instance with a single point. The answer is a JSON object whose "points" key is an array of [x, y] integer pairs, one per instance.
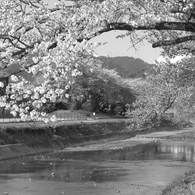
{"points": [[122, 47]]}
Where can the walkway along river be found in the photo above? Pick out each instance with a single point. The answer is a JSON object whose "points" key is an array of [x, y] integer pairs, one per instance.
{"points": [[136, 166]]}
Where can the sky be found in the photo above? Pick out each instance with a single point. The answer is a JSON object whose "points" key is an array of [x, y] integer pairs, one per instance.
{"points": [[121, 47]]}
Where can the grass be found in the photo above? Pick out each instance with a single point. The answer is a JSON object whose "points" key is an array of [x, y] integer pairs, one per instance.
{"points": [[181, 185]]}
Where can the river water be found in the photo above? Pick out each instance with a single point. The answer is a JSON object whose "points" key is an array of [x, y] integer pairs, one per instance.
{"points": [[144, 168]]}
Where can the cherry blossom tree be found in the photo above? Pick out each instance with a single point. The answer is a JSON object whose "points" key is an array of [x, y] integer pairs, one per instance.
{"points": [[166, 93], [43, 49], [39, 52], [169, 24]]}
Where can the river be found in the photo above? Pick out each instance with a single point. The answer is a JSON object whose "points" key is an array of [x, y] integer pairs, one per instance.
{"points": [[134, 166]]}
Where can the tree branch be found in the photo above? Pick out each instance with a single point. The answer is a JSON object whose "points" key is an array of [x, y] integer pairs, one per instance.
{"points": [[174, 41], [178, 26], [160, 26], [169, 103]]}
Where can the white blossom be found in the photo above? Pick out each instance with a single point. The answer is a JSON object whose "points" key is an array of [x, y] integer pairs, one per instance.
{"points": [[2, 84]]}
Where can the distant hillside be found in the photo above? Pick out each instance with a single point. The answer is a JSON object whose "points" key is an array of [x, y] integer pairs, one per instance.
{"points": [[127, 67]]}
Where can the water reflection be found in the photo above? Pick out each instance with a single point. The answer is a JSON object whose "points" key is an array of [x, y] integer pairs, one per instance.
{"points": [[91, 165], [179, 152], [152, 151]]}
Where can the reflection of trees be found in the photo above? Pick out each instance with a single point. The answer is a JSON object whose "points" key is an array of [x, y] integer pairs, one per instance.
{"points": [[140, 152], [179, 152]]}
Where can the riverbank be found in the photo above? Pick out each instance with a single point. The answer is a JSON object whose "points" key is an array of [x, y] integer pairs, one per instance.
{"points": [[17, 139], [25, 139]]}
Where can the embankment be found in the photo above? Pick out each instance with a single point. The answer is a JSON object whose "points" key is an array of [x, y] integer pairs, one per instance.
{"points": [[16, 140]]}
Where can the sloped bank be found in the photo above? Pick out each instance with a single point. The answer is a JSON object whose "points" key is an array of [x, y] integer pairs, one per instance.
{"points": [[25, 140]]}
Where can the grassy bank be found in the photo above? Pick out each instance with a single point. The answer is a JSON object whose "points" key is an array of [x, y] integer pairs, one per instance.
{"points": [[181, 185]]}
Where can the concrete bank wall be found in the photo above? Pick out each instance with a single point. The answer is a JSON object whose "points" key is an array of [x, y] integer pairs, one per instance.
{"points": [[25, 140]]}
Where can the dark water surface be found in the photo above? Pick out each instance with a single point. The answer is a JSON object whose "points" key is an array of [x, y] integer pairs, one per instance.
{"points": [[82, 166]]}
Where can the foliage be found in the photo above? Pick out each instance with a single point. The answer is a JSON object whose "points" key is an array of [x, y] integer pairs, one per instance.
{"points": [[158, 94], [101, 88], [184, 106]]}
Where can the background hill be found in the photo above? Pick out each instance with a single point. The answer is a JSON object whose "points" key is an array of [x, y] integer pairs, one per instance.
{"points": [[127, 67]]}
